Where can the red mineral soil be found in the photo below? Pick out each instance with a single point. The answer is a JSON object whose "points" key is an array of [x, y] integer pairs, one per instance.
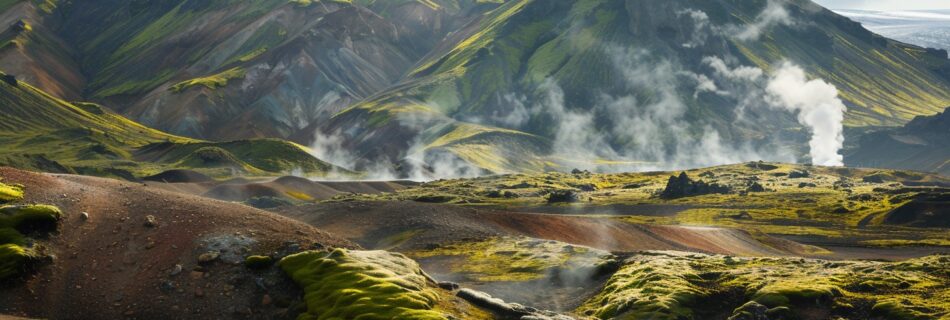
{"points": [[374, 224], [190, 182], [117, 264]]}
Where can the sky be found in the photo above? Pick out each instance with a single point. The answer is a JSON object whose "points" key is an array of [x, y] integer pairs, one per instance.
{"points": [[889, 5]]}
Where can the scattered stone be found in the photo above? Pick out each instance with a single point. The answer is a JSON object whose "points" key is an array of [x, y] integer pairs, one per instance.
{"points": [[266, 300], [151, 221], [579, 171], [167, 286], [208, 257], [199, 292], [796, 174], [10, 79], [451, 286], [176, 270], [807, 185], [755, 187], [83, 216], [195, 275]]}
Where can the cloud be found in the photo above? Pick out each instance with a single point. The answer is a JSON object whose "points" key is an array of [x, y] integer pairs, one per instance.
{"points": [[773, 14], [700, 24]]}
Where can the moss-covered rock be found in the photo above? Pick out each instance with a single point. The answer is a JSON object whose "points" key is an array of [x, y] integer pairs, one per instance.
{"points": [[672, 285], [17, 255], [258, 262], [346, 284], [29, 216]]}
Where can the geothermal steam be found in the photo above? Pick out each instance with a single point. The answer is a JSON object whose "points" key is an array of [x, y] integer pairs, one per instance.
{"points": [[818, 107]]}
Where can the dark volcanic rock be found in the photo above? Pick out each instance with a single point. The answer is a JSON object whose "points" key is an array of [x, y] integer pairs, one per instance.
{"points": [[568, 196], [683, 186]]}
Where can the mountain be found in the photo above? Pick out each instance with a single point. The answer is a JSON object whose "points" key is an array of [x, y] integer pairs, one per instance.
{"points": [[431, 88], [921, 144], [224, 69], [539, 84], [930, 28], [41, 132]]}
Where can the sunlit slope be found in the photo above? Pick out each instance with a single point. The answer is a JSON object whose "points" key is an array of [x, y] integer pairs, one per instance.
{"points": [[225, 69], [44, 133], [592, 49]]}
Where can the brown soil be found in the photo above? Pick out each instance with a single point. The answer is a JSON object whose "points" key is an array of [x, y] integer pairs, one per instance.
{"points": [[112, 266], [372, 224], [242, 190]]}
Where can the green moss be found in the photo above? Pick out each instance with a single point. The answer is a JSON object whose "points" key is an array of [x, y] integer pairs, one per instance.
{"points": [[13, 260], [212, 82], [10, 193], [15, 257], [514, 259], [346, 284], [29, 215], [668, 285], [258, 262]]}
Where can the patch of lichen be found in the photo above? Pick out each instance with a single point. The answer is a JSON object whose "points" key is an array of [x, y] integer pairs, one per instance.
{"points": [[10, 193], [211, 82], [668, 285], [344, 284], [515, 259]]}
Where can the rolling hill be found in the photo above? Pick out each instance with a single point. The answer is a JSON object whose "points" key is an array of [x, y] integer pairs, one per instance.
{"points": [[464, 87], [595, 82], [224, 69], [41, 132]]}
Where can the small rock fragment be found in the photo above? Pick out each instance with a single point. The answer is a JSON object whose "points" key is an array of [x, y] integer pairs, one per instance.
{"points": [[175, 270], [150, 221], [84, 216], [209, 256]]}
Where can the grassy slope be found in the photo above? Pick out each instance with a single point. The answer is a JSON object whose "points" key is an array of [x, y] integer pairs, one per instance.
{"points": [[520, 44], [39, 131]]}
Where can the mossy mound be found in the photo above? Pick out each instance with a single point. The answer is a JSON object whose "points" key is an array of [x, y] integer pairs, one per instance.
{"points": [[677, 286], [10, 193], [16, 255], [14, 260], [517, 259], [368, 285], [258, 262]]}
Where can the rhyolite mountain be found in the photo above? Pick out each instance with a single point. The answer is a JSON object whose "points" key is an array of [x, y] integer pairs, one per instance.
{"points": [[922, 144], [476, 84], [223, 69], [41, 132]]}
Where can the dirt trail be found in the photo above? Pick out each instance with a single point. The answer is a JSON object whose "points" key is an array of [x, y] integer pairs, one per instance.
{"points": [[113, 266]]}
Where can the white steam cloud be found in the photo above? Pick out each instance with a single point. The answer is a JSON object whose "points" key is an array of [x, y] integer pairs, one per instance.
{"points": [[818, 107], [774, 14]]}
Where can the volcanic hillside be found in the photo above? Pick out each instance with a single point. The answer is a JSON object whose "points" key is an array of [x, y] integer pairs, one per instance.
{"points": [[41, 132]]}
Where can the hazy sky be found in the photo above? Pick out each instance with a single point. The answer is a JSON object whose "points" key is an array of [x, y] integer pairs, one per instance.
{"points": [[885, 4]]}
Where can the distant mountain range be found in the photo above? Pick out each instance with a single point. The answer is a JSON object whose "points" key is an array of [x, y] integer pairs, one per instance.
{"points": [[923, 28], [432, 88]]}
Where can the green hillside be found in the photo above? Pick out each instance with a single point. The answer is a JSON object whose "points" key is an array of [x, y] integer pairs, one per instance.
{"points": [[641, 53], [41, 132]]}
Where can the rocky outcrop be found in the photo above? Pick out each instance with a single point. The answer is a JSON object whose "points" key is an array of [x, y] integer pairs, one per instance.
{"points": [[682, 186]]}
